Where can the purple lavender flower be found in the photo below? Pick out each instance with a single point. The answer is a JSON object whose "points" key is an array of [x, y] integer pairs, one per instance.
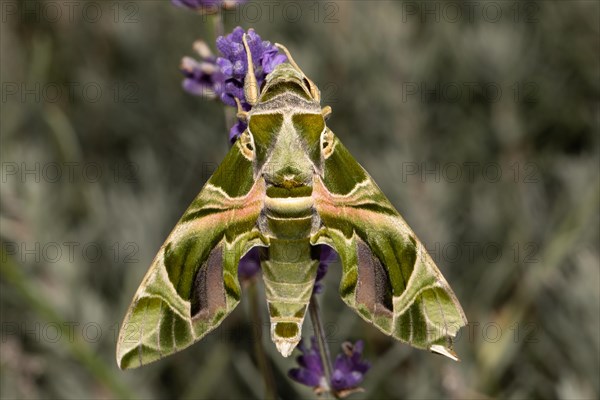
{"points": [[327, 256], [201, 77], [311, 372], [348, 372], [223, 77], [236, 130], [233, 63], [207, 6], [249, 264], [349, 368], [272, 58]]}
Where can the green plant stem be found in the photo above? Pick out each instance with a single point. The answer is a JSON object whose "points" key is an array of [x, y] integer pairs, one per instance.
{"points": [[219, 24], [315, 317], [259, 349]]}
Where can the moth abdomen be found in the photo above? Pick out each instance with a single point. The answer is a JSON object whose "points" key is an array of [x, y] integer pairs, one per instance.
{"points": [[289, 274]]}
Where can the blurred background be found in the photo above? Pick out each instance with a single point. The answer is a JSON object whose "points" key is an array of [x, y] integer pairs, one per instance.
{"points": [[479, 120]]}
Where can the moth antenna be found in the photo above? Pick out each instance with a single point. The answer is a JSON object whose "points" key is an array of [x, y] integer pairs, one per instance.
{"points": [[314, 91], [250, 84]]}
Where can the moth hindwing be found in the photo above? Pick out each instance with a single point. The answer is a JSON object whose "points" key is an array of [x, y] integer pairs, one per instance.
{"points": [[288, 185]]}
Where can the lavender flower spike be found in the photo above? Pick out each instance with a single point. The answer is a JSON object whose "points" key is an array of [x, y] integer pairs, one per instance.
{"points": [[233, 64], [223, 77], [311, 372], [348, 372], [349, 368]]}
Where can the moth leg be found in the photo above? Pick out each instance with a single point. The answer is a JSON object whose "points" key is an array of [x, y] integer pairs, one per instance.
{"points": [[326, 112], [314, 91], [250, 84]]}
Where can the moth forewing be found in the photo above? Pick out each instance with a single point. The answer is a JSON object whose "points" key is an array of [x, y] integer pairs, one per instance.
{"points": [[388, 277], [192, 283]]}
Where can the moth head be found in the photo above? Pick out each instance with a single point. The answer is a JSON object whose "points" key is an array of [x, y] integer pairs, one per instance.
{"points": [[292, 76], [287, 78]]}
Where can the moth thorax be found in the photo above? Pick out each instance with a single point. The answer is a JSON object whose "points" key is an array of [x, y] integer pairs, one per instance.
{"points": [[288, 214]]}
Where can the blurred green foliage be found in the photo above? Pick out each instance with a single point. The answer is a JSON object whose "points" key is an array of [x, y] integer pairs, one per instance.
{"points": [[102, 152]]}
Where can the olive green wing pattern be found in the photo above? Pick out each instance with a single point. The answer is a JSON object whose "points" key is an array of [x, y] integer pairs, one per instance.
{"points": [[192, 283], [388, 276]]}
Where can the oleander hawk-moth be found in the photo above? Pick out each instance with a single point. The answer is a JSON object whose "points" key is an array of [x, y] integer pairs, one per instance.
{"points": [[288, 185]]}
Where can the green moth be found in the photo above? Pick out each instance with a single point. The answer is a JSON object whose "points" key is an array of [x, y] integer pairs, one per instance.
{"points": [[287, 185]]}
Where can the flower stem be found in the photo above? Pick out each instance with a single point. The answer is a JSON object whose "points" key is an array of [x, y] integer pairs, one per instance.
{"points": [[315, 317], [219, 24], [259, 349]]}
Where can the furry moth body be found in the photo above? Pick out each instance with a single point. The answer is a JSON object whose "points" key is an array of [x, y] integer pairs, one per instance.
{"points": [[288, 185]]}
